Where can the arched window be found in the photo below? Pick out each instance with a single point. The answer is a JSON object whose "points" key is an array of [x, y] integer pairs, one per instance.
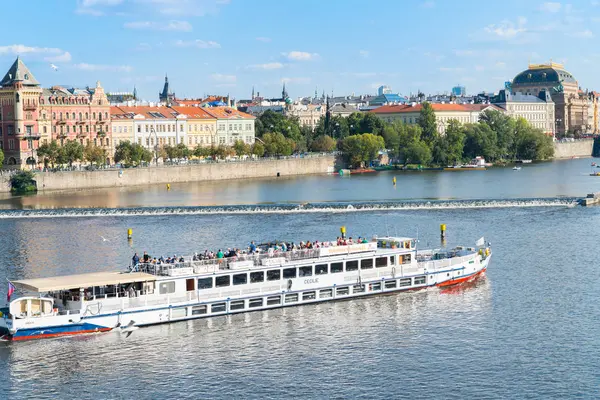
{"points": [[73, 115], [100, 116], [93, 115], [61, 116], [80, 116], [86, 116]]}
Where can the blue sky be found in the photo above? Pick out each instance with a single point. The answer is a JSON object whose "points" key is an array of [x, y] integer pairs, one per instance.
{"points": [[344, 46]]}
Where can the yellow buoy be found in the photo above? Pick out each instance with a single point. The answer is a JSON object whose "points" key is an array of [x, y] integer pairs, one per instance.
{"points": [[343, 231], [394, 180], [168, 186], [129, 233], [443, 231]]}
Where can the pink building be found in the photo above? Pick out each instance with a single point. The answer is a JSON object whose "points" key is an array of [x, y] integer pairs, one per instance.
{"points": [[30, 115]]}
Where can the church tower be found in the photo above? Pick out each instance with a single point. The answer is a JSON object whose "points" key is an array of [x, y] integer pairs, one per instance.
{"points": [[166, 96]]}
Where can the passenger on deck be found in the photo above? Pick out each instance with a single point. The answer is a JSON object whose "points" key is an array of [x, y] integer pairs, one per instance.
{"points": [[146, 258], [220, 254], [350, 240], [135, 259], [252, 247]]}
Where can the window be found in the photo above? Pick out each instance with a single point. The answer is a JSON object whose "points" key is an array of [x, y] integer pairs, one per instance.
{"points": [[289, 273], [240, 279], [253, 303], [217, 307], [390, 284], [392, 260], [257, 277], [342, 291], [291, 298], [381, 262], [309, 295], [419, 280], [406, 259], [273, 300], [11, 144], [305, 271], [366, 264], [321, 269], [199, 310], [167, 287], [352, 265], [237, 305], [205, 283], [274, 275], [337, 267], [358, 289], [375, 286], [405, 282], [325, 293], [222, 281]]}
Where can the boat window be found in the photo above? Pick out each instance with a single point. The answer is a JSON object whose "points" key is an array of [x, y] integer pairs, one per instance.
{"points": [[366, 264], [405, 282], [257, 277], [309, 295], [325, 293], [342, 291], [381, 262], [273, 300], [199, 310], [205, 283], [222, 281], [406, 259], [375, 286], [321, 269], [274, 275], [419, 280], [291, 298], [240, 279], [352, 265], [305, 271], [390, 284], [217, 307], [392, 260], [337, 267], [167, 287], [237, 305], [253, 303], [358, 289], [289, 273]]}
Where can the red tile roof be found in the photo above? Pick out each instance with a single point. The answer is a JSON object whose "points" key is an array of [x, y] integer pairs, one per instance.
{"points": [[408, 108], [147, 111], [227, 113], [193, 112]]}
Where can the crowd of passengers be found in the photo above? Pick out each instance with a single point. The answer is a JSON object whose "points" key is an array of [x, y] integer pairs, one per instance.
{"points": [[252, 249]]}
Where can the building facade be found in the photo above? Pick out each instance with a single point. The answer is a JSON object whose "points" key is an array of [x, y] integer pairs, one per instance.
{"points": [[201, 126], [232, 125], [307, 114], [537, 110], [409, 113], [122, 126], [571, 104]]}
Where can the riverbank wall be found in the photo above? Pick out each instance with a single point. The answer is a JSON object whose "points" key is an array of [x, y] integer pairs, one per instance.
{"points": [[578, 148], [77, 180]]}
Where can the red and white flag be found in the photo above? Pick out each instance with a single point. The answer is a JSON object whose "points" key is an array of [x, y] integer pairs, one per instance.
{"points": [[11, 290]]}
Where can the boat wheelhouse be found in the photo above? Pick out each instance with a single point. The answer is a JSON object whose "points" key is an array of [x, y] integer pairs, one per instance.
{"points": [[167, 292]]}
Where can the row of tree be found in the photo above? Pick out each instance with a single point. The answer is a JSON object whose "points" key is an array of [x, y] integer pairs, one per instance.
{"points": [[71, 152]]}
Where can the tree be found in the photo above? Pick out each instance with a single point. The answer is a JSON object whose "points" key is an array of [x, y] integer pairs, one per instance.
{"points": [[132, 154], [417, 153], [123, 153], [504, 127], [480, 140], [258, 149], [277, 145], [531, 143], [448, 150], [94, 154], [72, 151], [49, 152], [241, 148], [428, 124], [360, 149], [23, 182], [201, 151], [323, 143], [1, 158]]}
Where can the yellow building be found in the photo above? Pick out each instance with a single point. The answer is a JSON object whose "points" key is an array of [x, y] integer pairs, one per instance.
{"points": [[202, 126], [122, 127]]}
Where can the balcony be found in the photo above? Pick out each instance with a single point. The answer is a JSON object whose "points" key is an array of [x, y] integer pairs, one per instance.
{"points": [[30, 107], [80, 122], [30, 135], [61, 122]]}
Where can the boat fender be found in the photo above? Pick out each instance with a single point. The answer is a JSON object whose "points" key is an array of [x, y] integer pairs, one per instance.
{"points": [[289, 284]]}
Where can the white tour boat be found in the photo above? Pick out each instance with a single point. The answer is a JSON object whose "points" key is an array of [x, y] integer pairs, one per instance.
{"points": [[158, 293]]}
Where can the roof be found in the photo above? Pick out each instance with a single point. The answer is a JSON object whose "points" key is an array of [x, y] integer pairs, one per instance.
{"points": [[19, 72], [159, 113], [55, 283], [227, 113], [193, 112], [544, 74], [409, 108]]}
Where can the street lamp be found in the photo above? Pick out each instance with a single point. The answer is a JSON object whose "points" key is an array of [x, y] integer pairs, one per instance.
{"points": [[155, 143], [558, 121]]}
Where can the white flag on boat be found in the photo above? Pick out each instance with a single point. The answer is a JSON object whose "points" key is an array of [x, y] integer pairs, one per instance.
{"points": [[480, 242]]}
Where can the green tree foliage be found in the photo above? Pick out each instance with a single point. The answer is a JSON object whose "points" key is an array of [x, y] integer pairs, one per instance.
{"points": [[417, 152], [258, 149], [49, 153], [530, 143], [175, 152], [361, 149], [277, 145], [323, 143], [272, 122], [94, 154], [428, 124], [23, 182], [504, 126], [132, 154], [448, 149], [1, 158], [480, 140], [71, 151], [241, 148]]}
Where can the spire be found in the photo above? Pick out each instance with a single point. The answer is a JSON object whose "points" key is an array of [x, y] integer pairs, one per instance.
{"points": [[134, 92], [252, 92], [284, 94], [19, 72]]}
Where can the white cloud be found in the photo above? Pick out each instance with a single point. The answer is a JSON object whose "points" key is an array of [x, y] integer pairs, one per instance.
{"points": [[267, 66], [551, 7], [298, 80], [89, 7], [100, 67], [200, 44], [364, 53], [187, 8], [263, 39], [585, 34], [428, 4], [300, 56], [225, 79], [506, 29], [64, 57], [180, 26], [22, 49]]}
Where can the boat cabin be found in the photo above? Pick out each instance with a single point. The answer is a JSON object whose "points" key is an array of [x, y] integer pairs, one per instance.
{"points": [[31, 307]]}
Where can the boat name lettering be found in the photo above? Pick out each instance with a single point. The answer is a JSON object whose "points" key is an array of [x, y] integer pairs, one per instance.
{"points": [[312, 280]]}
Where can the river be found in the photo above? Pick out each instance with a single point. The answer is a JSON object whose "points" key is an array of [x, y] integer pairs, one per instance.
{"points": [[528, 329]]}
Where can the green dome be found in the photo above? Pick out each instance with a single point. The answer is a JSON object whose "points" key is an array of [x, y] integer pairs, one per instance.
{"points": [[544, 74]]}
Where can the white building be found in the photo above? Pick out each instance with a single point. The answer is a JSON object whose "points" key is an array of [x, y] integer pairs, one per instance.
{"points": [[537, 110], [157, 126], [232, 125]]}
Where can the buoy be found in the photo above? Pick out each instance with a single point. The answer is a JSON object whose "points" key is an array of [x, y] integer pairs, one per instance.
{"points": [[343, 232], [129, 233], [168, 186], [394, 180], [443, 231]]}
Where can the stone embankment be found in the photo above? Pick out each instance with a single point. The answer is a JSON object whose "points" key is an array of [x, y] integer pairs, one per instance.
{"points": [[578, 148], [76, 180]]}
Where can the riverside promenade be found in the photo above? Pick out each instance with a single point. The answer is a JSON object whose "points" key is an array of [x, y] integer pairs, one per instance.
{"points": [[216, 171]]}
